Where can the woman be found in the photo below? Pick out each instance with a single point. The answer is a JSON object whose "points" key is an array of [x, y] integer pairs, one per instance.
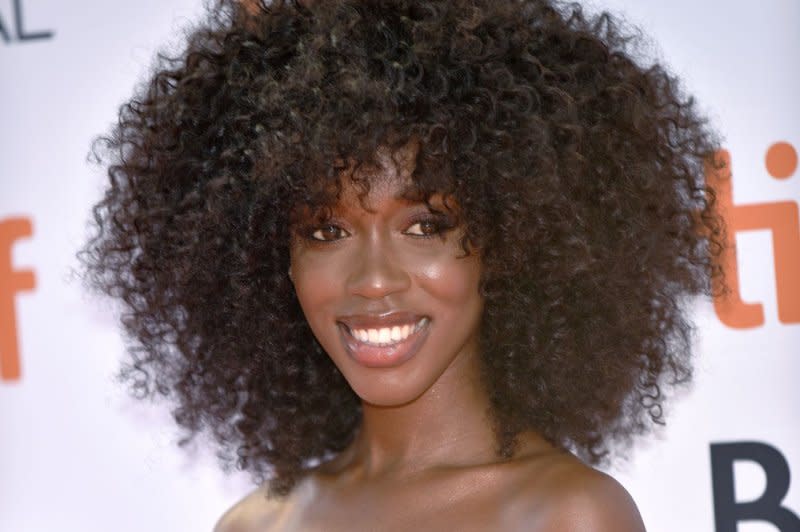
{"points": [[413, 264]]}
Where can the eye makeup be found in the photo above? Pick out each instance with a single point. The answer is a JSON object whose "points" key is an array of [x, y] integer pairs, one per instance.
{"points": [[440, 224]]}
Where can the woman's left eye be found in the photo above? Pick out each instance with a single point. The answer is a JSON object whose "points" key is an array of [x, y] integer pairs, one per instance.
{"points": [[429, 227]]}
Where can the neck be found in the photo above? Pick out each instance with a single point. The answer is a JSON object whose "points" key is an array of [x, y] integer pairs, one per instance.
{"points": [[447, 426]]}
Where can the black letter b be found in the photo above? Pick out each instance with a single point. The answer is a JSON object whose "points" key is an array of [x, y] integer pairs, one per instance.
{"points": [[727, 512]]}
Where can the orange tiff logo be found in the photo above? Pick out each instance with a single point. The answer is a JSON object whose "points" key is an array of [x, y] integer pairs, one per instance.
{"points": [[781, 219], [11, 282]]}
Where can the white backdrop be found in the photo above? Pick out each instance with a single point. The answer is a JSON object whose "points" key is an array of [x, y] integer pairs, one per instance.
{"points": [[77, 455]]}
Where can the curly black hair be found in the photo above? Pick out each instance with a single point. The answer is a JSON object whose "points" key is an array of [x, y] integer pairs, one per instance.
{"points": [[579, 174]]}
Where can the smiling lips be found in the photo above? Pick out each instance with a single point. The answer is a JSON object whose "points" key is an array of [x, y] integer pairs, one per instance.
{"points": [[388, 341]]}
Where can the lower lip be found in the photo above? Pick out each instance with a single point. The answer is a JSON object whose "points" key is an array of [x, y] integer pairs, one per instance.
{"points": [[373, 356]]}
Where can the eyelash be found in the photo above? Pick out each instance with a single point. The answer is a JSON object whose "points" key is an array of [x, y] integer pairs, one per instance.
{"points": [[441, 224]]}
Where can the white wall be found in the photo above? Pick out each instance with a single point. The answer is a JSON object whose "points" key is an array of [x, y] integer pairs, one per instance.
{"points": [[77, 455]]}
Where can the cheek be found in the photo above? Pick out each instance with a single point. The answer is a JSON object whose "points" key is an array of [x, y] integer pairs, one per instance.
{"points": [[317, 281], [438, 278], [451, 280]]}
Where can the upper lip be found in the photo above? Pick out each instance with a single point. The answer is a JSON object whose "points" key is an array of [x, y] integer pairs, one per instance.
{"points": [[376, 321]]}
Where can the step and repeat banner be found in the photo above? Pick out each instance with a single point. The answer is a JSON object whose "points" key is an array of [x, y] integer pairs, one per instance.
{"points": [[76, 454]]}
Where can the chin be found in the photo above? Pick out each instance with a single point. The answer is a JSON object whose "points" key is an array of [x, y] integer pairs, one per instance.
{"points": [[386, 391]]}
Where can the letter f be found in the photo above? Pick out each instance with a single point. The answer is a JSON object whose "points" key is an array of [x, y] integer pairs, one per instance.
{"points": [[11, 282]]}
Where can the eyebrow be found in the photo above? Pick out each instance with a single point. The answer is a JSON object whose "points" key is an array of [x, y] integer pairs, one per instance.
{"points": [[408, 193]]}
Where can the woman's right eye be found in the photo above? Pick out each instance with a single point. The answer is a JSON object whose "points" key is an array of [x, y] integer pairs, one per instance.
{"points": [[321, 233]]}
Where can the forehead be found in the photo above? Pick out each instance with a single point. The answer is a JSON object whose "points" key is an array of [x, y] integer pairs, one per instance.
{"points": [[388, 176], [376, 190], [386, 181]]}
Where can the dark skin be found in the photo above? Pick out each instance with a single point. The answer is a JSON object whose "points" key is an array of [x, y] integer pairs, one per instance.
{"points": [[424, 456]]}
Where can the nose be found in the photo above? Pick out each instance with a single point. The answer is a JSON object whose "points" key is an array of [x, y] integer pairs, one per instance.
{"points": [[377, 271]]}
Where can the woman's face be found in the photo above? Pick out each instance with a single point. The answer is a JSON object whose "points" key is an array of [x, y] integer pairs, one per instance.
{"points": [[384, 293]]}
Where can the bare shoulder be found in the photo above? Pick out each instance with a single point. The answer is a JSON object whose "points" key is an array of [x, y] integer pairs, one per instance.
{"points": [[254, 512], [566, 495]]}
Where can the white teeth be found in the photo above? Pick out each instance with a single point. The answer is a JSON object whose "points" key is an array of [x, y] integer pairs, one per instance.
{"points": [[397, 334], [388, 335]]}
